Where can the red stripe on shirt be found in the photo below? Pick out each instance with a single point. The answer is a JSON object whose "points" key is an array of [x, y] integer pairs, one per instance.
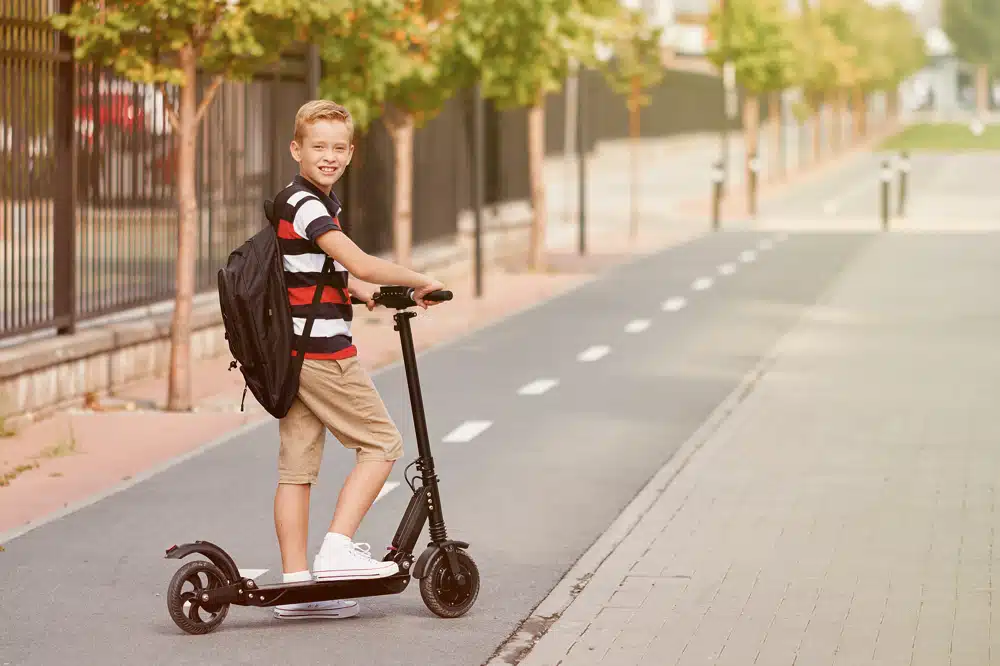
{"points": [[305, 295], [346, 352], [287, 230]]}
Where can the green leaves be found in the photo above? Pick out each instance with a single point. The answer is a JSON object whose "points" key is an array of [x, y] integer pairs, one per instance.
{"points": [[636, 62], [388, 53], [974, 28], [232, 38], [757, 36], [520, 49]]}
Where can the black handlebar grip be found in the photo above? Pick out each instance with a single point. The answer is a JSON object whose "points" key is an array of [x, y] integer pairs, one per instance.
{"points": [[438, 296]]}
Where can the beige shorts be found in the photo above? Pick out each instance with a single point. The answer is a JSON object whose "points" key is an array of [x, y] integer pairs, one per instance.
{"points": [[338, 396]]}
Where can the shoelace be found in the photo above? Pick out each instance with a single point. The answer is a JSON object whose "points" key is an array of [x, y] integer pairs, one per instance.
{"points": [[362, 549]]}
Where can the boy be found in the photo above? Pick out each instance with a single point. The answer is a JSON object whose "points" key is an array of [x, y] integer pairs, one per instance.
{"points": [[335, 392]]}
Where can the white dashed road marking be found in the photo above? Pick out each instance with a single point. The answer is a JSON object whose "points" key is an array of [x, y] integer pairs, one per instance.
{"points": [[673, 304], [467, 431], [727, 269], [782, 237], [537, 387], [592, 354], [765, 244], [637, 326], [387, 488], [702, 283], [747, 256]]}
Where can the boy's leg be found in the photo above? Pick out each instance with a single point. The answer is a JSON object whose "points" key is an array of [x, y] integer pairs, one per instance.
{"points": [[299, 458], [358, 494], [302, 437], [347, 402]]}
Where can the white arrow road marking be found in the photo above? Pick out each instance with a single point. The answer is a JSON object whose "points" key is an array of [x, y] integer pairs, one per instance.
{"points": [[591, 354], [637, 326], [467, 431], [387, 488], [727, 269], [537, 387], [701, 284], [673, 304], [746, 256]]}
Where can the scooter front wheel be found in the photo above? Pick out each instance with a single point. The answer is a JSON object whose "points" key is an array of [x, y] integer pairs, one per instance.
{"points": [[445, 594], [184, 601]]}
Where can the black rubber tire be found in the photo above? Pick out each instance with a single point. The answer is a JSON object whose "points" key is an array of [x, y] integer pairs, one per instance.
{"points": [[437, 587], [175, 604]]}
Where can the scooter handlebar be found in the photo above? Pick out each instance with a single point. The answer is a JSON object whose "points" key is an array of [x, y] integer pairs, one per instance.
{"points": [[400, 298]]}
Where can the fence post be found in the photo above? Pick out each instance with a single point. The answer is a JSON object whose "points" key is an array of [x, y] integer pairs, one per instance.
{"points": [[64, 202]]}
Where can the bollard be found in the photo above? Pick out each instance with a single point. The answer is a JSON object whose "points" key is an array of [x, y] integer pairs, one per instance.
{"points": [[904, 172], [886, 178], [718, 176]]}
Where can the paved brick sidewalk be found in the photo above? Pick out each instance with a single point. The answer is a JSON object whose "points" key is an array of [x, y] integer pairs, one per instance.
{"points": [[843, 511]]}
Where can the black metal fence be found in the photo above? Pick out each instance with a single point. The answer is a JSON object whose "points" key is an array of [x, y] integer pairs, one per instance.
{"points": [[88, 223]]}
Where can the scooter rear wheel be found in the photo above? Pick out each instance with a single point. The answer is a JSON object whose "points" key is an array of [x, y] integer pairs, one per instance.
{"points": [[186, 608], [443, 593]]}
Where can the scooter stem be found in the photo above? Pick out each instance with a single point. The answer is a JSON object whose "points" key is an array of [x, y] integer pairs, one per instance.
{"points": [[426, 462]]}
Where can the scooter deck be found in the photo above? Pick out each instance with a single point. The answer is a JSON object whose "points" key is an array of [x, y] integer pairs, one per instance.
{"points": [[246, 593]]}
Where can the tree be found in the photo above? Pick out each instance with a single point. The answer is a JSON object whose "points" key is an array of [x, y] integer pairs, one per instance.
{"points": [[973, 26], [760, 44], [386, 59], [520, 51], [825, 65], [168, 42], [636, 65]]}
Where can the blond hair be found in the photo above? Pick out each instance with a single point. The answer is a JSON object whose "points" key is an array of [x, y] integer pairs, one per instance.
{"points": [[321, 109]]}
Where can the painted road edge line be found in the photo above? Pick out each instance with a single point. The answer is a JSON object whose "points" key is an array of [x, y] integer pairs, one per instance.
{"points": [[591, 354], [537, 387], [467, 432]]}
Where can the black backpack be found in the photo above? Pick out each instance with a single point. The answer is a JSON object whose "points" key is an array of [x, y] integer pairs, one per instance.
{"points": [[258, 319]]}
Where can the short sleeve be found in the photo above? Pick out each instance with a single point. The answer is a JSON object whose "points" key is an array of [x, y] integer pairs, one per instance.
{"points": [[313, 220]]}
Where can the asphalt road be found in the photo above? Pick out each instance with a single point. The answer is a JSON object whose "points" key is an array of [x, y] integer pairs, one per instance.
{"points": [[531, 493]]}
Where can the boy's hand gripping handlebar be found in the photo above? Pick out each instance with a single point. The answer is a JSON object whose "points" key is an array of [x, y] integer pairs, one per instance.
{"points": [[400, 298]]}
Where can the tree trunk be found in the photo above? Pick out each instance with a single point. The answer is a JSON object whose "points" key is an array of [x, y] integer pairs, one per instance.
{"points": [[982, 90], [860, 114], [633, 131], [401, 127], [751, 126], [536, 157], [776, 130], [818, 124], [179, 376]]}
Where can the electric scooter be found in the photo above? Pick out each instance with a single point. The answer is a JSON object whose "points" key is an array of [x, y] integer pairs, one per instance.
{"points": [[449, 578]]}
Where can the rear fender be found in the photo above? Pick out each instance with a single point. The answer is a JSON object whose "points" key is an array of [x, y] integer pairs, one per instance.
{"points": [[215, 554]]}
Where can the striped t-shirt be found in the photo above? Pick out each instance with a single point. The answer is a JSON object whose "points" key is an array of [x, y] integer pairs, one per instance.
{"points": [[308, 214]]}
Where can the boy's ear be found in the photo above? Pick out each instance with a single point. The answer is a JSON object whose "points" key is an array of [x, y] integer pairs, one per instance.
{"points": [[293, 148]]}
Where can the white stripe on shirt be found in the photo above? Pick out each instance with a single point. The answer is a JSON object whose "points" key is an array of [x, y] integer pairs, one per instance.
{"points": [[309, 263], [309, 212], [322, 328]]}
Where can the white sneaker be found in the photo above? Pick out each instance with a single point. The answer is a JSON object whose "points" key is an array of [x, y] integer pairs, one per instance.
{"points": [[335, 609], [346, 560]]}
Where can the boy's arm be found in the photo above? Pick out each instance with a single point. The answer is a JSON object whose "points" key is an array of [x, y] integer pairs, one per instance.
{"points": [[371, 269]]}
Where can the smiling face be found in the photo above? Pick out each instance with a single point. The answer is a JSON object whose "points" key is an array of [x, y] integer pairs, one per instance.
{"points": [[323, 151]]}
